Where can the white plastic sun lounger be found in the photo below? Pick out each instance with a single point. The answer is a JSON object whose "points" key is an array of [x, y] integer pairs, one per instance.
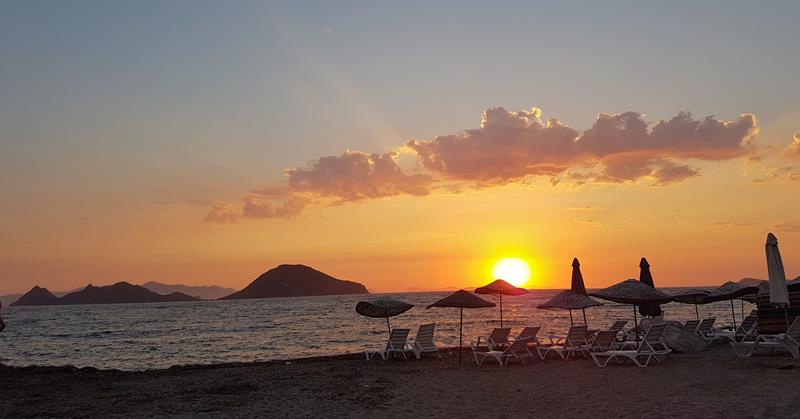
{"points": [[706, 330], [397, 344], [498, 337], [789, 342], [650, 347], [574, 343], [692, 325], [528, 332], [746, 330], [517, 350], [423, 341]]}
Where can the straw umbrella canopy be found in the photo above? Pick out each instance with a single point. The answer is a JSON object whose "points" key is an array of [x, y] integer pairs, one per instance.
{"points": [[731, 291], [570, 300], [645, 277], [778, 289], [462, 299], [632, 292], [499, 287], [382, 307], [691, 296]]}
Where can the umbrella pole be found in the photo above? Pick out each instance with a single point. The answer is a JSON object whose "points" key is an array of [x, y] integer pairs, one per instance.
{"points": [[786, 315], [635, 325], [742, 310], [696, 311], [584, 317], [501, 309], [571, 323], [388, 326], [733, 314], [460, 335]]}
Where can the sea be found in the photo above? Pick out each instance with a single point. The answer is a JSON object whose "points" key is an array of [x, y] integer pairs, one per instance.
{"points": [[161, 335]]}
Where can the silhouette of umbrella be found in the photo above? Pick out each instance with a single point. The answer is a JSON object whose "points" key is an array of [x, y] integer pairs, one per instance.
{"points": [[382, 307], [778, 289], [691, 296], [574, 299], [632, 292], [499, 287], [730, 291], [462, 299], [648, 309]]}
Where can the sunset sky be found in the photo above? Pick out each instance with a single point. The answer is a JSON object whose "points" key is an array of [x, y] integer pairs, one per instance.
{"points": [[401, 146]]}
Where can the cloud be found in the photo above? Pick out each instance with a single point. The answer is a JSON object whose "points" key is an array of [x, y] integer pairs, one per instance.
{"points": [[508, 146], [788, 227], [793, 151]]}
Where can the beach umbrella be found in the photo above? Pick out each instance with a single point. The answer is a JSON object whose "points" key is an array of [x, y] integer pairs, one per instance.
{"points": [[632, 292], [691, 296], [570, 300], [382, 307], [730, 291], [462, 299], [577, 278], [778, 289], [645, 277], [499, 287]]}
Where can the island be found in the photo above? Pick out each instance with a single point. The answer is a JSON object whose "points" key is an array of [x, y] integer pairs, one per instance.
{"points": [[119, 293], [296, 281]]}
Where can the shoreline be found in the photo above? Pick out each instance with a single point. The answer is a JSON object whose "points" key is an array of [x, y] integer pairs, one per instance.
{"points": [[710, 384]]}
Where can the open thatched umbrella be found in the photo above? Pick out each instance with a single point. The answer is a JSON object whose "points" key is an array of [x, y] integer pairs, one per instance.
{"points": [[382, 307], [731, 291], [570, 300], [645, 277], [499, 287], [778, 289], [632, 292], [574, 299], [691, 296], [462, 299]]}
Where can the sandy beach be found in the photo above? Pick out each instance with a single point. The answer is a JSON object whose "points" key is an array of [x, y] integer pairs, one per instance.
{"points": [[711, 384]]}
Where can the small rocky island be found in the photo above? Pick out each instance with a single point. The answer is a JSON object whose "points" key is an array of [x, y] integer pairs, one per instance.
{"points": [[296, 281], [119, 293]]}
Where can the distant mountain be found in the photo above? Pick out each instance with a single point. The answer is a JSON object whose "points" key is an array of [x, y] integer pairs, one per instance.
{"points": [[37, 296], [296, 281], [751, 282], [6, 300], [121, 292], [205, 292]]}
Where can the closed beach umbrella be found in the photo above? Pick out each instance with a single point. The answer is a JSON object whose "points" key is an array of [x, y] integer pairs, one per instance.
{"points": [[462, 299], [691, 296], [382, 307], [577, 278], [632, 292], [570, 300], [499, 287], [778, 289], [730, 291], [648, 309]]}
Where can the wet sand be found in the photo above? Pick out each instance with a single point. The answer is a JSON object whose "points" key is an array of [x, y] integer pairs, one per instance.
{"points": [[711, 384]]}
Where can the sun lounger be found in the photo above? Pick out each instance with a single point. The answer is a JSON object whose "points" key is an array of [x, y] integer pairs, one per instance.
{"points": [[498, 338], [789, 342], [528, 332], [650, 347], [706, 329], [604, 340], [397, 344], [746, 330], [691, 324], [574, 343], [423, 341], [517, 350]]}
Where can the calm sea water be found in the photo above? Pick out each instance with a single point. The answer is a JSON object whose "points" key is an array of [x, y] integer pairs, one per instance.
{"points": [[144, 336]]}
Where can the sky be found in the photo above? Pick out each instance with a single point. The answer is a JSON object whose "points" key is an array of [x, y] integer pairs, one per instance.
{"points": [[404, 146]]}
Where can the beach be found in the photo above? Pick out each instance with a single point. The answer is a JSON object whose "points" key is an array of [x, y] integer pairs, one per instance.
{"points": [[710, 384]]}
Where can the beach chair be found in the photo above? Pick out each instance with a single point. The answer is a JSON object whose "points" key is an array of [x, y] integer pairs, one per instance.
{"points": [[706, 329], [650, 347], [397, 344], [518, 350], [528, 332], [691, 324], [574, 343], [498, 338], [604, 340], [789, 342], [746, 330], [423, 341]]}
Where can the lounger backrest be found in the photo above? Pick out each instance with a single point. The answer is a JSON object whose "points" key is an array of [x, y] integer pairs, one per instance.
{"points": [[529, 332], [424, 336], [746, 327], [705, 326], [398, 339], [576, 336], [499, 335], [604, 339], [618, 325], [691, 324], [794, 330], [519, 346], [652, 339]]}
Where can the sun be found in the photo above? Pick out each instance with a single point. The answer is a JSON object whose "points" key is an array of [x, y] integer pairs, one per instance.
{"points": [[515, 271]]}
